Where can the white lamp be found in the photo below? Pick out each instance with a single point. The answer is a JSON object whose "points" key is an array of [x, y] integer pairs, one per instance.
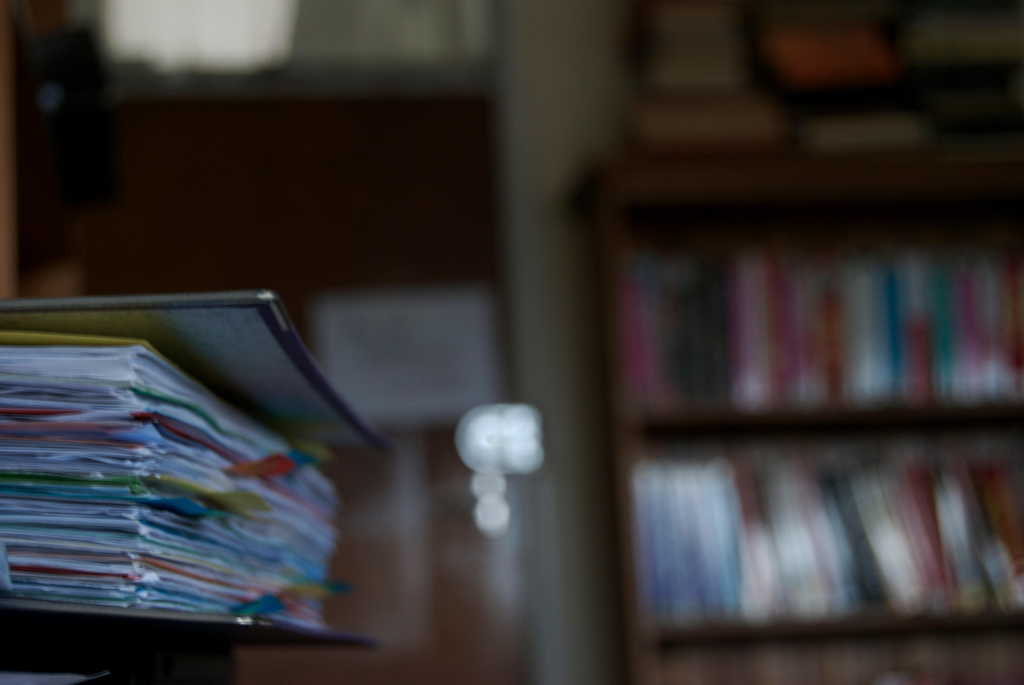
{"points": [[495, 440]]}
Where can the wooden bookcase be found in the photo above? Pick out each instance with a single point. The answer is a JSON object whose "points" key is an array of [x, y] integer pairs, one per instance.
{"points": [[727, 203]]}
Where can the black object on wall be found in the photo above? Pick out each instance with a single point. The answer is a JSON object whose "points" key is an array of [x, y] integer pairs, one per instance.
{"points": [[74, 94]]}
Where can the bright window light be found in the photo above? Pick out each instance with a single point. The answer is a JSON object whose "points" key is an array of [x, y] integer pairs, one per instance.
{"points": [[200, 35]]}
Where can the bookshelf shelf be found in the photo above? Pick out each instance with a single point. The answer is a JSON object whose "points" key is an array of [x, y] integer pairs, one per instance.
{"points": [[870, 625], [714, 421], [790, 178]]}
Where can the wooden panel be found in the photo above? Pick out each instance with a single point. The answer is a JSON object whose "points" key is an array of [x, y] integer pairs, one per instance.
{"points": [[44, 16], [42, 233], [8, 181], [296, 196], [789, 179], [957, 657]]}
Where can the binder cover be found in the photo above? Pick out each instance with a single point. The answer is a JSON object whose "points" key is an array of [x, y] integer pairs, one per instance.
{"points": [[241, 345]]}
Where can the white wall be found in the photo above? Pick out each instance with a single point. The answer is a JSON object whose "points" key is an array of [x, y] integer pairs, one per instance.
{"points": [[562, 87]]}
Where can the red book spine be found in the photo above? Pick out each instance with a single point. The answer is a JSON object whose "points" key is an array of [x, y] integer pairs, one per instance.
{"points": [[778, 315], [968, 369], [790, 285], [1014, 327], [919, 335], [830, 336], [921, 489], [636, 339]]}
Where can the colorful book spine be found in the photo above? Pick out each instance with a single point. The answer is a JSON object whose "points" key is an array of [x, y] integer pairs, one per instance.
{"points": [[762, 331], [824, 528]]}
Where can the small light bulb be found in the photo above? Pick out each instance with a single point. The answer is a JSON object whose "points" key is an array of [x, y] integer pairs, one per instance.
{"points": [[502, 438], [492, 515]]}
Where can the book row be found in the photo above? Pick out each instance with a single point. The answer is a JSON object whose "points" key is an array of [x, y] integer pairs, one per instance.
{"points": [[677, 39], [882, 74], [957, 659], [813, 529], [761, 330]]}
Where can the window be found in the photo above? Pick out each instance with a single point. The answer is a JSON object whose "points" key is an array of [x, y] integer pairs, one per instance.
{"points": [[254, 35]]}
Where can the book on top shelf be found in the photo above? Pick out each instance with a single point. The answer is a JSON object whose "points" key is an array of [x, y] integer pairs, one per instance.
{"points": [[695, 47], [843, 76], [697, 88], [805, 58], [964, 62], [736, 123], [878, 130]]}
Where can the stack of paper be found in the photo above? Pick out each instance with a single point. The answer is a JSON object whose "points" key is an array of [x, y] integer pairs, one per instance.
{"points": [[124, 482]]}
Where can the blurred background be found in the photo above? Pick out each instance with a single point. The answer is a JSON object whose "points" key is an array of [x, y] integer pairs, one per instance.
{"points": [[758, 265]]}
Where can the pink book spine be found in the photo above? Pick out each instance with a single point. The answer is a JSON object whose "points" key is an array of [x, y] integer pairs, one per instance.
{"points": [[761, 331], [918, 331], [804, 294], [777, 314], [919, 335], [969, 367], [792, 353], [829, 333], [987, 307], [635, 338], [1015, 321], [783, 333], [759, 347]]}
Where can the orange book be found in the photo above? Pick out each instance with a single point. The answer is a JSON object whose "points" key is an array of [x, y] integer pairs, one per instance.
{"points": [[830, 57]]}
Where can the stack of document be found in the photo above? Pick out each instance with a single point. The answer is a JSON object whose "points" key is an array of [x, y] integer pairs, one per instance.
{"points": [[124, 482]]}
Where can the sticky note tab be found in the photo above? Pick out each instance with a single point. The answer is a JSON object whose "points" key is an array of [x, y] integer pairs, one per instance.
{"points": [[267, 604], [5, 570], [268, 467], [183, 506], [320, 590]]}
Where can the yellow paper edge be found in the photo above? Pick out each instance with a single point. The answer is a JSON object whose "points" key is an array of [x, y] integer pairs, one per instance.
{"points": [[235, 501], [73, 339]]}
